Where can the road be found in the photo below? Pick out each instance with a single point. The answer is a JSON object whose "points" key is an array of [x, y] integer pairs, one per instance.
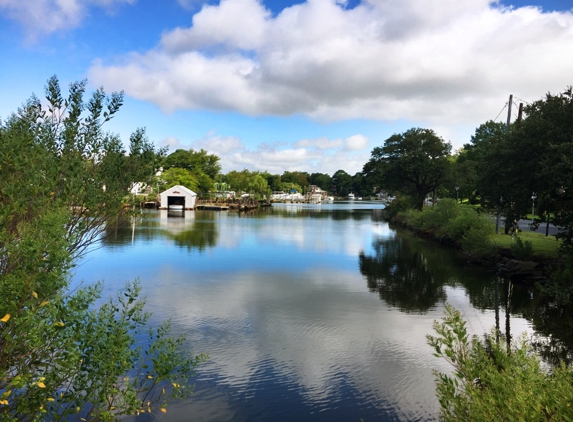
{"points": [[524, 225]]}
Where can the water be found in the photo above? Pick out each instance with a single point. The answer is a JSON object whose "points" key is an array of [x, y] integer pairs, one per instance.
{"points": [[308, 312]]}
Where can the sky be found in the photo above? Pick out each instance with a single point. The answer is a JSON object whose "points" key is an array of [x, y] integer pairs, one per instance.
{"points": [[283, 85]]}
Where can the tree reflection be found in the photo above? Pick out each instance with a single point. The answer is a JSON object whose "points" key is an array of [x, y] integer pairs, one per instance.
{"points": [[193, 231], [123, 231], [203, 234], [403, 275], [554, 328]]}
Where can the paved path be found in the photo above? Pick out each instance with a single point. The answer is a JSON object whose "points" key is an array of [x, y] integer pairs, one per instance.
{"points": [[524, 225]]}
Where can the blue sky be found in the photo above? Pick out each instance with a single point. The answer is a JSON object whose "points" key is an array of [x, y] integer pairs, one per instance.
{"points": [[278, 85]]}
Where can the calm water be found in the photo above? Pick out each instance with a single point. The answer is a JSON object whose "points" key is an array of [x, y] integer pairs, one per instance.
{"points": [[312, 312]]}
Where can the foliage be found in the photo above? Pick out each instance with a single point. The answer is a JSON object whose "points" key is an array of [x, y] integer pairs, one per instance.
{"points": [[495, 382], [248, 182], [299, 178], [361, 185], [322, 180], [448, 219], [179, 176], [58, 158], [274, 181], [341, 183], [63, 179], [400, 204], [521, 249], [194, 161], [414, 163], [195, 170]]}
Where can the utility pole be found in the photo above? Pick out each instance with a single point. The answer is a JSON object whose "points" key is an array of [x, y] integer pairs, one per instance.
{"points": [[507, 129], [519, 115], [509, 111]]}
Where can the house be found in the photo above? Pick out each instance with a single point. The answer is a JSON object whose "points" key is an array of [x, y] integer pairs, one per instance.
{"points": [[178, 198]]}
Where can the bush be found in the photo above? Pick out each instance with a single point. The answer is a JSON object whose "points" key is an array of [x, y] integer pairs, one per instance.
{"points": [[402, 203], [472, 231], [496, 381], [477, 238], [521, 249]]}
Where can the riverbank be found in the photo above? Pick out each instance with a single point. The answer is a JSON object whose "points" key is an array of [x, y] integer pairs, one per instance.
{"points": [[526, 257]]}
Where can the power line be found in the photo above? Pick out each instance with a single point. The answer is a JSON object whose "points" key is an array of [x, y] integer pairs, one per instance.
{"points": [[500, 112], [523, 101]]}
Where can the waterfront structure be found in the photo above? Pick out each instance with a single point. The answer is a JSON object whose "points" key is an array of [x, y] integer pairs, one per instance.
{"points": [[178, 198]]}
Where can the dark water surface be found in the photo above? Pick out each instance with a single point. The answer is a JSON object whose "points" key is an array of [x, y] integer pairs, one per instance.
{"points": [[308, 313]]}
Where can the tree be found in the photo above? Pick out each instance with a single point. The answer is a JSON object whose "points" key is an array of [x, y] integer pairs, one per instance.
{"points": [[322, 180], [179, 176], [414, 163], [194, 161], [248, 182], [273, 180], [297, 177], [63, 179], [199, 169], [341, 183]]}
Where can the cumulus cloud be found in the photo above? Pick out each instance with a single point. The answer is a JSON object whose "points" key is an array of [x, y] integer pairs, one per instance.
{"points": [[438, 62], [321, 155], [356, 143], [41, 17]]}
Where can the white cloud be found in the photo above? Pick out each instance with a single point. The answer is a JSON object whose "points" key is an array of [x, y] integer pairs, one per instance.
{"points": [[320, 143], [441, 63], [356, 143], [321, 155], [172, 143], [40, 17]]}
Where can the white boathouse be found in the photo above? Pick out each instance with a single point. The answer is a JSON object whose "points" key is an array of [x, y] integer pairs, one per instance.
{"points": [[178, 198]]}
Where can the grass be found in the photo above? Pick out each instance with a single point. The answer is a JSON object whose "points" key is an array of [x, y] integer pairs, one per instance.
{"points": [[543, 246]]}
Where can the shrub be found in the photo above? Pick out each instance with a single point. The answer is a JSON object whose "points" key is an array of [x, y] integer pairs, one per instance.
{"points": [[495, 380], [401, 204], [521, 249], [464, 226]]}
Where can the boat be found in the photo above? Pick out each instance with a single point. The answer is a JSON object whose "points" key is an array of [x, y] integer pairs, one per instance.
{"points": [[175, 208], [351, 196], [330, 199]]}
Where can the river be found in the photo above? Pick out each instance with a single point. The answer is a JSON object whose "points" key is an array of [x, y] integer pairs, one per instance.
{"points": [[308, 312]]}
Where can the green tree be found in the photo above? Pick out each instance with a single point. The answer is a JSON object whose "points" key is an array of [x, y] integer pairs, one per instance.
{"points": [[297, 177], [200, 165], [322, 180], [248, 182], [273, 180], [179, 176], [414, 163], [194, 161], [341, 183], [63, 180]]}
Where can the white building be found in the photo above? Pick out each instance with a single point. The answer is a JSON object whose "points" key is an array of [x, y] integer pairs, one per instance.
{"points": [[178, 198]]}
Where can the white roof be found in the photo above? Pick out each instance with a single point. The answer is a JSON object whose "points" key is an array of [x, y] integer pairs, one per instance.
{"points": [[178, 190]]}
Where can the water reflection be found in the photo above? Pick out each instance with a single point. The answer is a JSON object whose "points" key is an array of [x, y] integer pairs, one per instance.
{"points": [[279, 301], [186, 228], [403, 275]]}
